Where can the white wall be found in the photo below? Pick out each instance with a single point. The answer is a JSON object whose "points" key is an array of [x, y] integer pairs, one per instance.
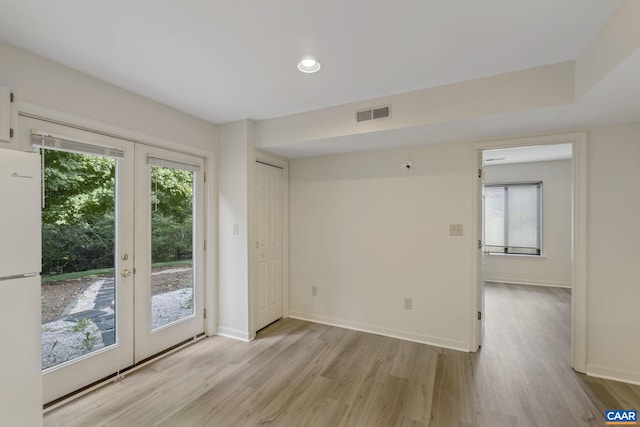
{"points": [[538, 87], [39, 81], [554, 267], [369, 236], [233, 281], [614, 252]]}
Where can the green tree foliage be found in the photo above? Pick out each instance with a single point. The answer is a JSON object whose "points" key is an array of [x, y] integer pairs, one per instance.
{"points": [[78, 187], [171, 214], [171, 192], [79, 217]]}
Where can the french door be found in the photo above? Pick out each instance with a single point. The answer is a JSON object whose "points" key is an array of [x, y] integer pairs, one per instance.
{"points": [[122, 227], [169, 246]]}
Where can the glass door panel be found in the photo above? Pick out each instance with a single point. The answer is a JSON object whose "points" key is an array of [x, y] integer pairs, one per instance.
{"points": [[171, 245], [78, 290], [169, 249]]}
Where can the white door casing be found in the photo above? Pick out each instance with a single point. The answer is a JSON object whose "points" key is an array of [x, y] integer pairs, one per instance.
{"points": [[480, 254], [578, 243], [268, 262]]}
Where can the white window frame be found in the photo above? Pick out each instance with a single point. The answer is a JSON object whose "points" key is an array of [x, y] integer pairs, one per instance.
{"points": [[505, 250]]}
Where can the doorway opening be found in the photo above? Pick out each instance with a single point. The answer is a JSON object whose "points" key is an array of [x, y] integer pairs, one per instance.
{"points": [[527, 248], [530, 207]]}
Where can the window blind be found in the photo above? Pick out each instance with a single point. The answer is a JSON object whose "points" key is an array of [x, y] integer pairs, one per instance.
{"points": [[166, 163], [41, 139]]}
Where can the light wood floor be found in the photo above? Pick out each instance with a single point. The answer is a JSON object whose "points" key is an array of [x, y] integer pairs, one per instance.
{"points": [[303, 374]]}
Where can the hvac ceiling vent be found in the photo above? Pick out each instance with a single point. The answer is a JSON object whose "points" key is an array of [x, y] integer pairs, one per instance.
{"points": [[377, 113]]}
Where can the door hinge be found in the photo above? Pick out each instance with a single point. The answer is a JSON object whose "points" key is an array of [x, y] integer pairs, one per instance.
{"points": [[11, 133], [479, 315], [479, 244], [205, 245], [205, 313], [11, 97], [480, 173], [205, 177]]}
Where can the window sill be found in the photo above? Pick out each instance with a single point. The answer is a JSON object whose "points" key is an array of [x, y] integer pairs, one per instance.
{"points": [[541, 257]]}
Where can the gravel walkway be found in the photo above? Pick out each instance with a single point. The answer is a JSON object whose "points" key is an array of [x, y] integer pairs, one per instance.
{"points": [[87, 325]]}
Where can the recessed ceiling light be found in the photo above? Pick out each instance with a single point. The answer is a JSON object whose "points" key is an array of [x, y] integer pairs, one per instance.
{"points": [[308, 65]]}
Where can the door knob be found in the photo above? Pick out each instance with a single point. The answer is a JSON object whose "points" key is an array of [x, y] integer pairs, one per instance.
{"points": [[126, 273]]}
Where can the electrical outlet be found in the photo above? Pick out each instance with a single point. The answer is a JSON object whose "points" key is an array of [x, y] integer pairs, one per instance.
{"points": [[455, 229], [408, 303], [314, 290]]}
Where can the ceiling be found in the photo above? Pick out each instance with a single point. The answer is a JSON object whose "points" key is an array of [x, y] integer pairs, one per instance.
{"points": [[616, 99], [224, 60]]}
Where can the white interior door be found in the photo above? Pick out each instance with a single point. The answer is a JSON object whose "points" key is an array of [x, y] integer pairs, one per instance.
{"points": [[268, 259], [88, 199], [169, 306], [481, 255]]}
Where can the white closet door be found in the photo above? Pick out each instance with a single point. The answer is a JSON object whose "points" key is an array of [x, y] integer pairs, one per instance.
{"points": [[268, 260]]}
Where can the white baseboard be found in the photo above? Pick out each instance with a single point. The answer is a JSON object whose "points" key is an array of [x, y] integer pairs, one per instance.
{"points": [[392, 333], [233, 333], [526, 282], [612, 374]]}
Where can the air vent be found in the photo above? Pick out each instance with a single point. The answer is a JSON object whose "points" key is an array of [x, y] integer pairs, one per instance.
{"points": [[376, 113], [380, 113], [363, 116]]}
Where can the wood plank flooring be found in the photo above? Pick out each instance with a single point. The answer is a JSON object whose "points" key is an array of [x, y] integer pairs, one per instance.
{"points": [[303, 374]]}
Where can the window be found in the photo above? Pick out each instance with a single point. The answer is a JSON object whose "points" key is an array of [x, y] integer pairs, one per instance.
{"points": [[512, 218]]}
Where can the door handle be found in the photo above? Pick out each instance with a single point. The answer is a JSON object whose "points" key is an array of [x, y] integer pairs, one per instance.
{"points": [[126, 273]]}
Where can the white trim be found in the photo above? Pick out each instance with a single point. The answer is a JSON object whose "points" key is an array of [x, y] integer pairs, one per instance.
{"points": [[211, 254], [579, 252], [579, 234], [508, 281], [612, 374], [521, 256], [233, 333], [392, 333], [257, 155]]}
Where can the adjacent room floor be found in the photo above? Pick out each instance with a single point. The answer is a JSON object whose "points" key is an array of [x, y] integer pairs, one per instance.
{"points": [[298, 373]]}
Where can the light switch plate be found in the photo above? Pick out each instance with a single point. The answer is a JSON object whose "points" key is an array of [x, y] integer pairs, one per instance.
{"points": [[455, 229]]}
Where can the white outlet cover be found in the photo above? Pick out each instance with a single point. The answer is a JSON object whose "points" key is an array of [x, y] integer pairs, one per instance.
{"points": [[455, 229]]}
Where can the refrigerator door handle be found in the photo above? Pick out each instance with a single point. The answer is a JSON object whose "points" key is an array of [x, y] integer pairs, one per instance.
{"points": [[19, 276], [17, 175]]}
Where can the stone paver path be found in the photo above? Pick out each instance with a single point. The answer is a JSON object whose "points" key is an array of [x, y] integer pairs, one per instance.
{"points": [[88, 324]]}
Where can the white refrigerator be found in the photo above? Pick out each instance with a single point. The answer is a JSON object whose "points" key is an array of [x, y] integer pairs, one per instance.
{"points": [[20, 315]]}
